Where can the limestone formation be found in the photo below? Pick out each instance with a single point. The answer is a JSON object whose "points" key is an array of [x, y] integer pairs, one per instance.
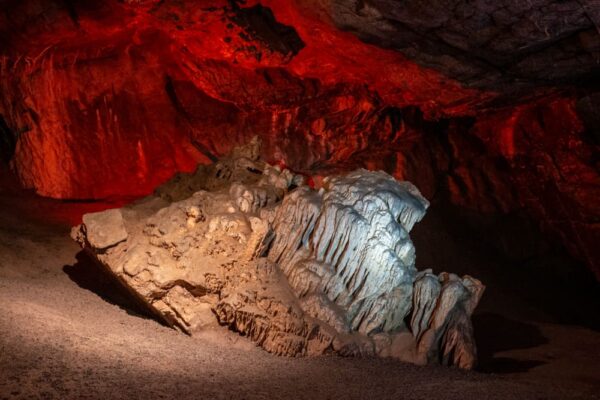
{"points": [[298, 271]]}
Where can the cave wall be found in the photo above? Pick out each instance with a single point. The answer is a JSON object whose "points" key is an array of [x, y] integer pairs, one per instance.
{"points": [[109, 99], [130, 86]]}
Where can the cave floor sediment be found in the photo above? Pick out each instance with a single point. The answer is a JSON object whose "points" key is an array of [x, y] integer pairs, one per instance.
{"points": [[67, 333]]}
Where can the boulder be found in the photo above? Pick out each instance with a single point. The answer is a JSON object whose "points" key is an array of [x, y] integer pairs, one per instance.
{"points": [[104, 229], [298, 271]]}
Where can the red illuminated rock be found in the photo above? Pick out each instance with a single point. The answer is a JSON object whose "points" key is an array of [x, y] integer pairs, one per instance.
{"points": [[553, 168], [129, 89], [110, 99]]}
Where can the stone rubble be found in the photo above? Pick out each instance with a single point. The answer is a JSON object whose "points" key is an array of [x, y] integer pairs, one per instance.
{"points": [[298, 271]]}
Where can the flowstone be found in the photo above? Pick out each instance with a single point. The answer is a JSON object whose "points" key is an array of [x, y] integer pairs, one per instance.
{"points": [[298, 271]]}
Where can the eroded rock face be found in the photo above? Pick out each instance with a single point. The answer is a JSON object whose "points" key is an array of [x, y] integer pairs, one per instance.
{"points": [[350, 242], [483, 43], [298, 271], [110, 99]]}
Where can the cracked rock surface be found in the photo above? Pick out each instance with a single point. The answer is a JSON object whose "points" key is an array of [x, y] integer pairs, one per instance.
{"points": [[299, 271], [485, 43]]}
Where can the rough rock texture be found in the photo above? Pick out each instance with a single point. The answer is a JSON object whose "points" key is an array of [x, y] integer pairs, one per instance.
{"points": [[104, 229], [553, 170], [350, 242], [483, 43], [109, 99], [154, 88], [328, 270]]}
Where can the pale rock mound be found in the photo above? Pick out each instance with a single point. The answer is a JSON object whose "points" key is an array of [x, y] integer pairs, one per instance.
{"points": [[350, 242], [298, 271]]}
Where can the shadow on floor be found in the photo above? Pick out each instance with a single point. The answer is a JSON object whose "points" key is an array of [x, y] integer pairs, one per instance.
{"points": [[89, 275], [495, 333], [514, 259]]}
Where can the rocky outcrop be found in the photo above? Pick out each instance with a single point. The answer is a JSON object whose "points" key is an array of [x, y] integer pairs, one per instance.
{"points": [[298, 271], [347, 247]]}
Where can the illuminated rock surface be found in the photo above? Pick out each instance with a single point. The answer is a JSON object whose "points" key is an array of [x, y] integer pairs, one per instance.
{"points": [[297, 270], [474, 103]]}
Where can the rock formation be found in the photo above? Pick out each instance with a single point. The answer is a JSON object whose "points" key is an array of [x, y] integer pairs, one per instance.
{"points": [[299, 271], [135, 91]]}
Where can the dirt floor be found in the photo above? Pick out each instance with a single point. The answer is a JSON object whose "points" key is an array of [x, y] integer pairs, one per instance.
{"points": [[67, 332]]}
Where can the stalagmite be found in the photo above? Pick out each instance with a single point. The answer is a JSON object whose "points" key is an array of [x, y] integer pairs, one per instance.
{"points": [[298, 271]]}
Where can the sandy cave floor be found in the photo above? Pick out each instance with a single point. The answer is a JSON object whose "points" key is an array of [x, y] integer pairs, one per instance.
{"points": [[67, 332]]}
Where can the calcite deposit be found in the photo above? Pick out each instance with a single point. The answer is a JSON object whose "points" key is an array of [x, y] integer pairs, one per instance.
{"points": [[297, 270]]}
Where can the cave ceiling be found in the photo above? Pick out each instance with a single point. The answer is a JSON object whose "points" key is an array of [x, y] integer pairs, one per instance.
{"points": [[486, 44]]}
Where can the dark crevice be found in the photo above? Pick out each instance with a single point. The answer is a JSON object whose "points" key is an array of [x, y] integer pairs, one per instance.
{"points": [[72, 12], [8, 141], [260, 24]]}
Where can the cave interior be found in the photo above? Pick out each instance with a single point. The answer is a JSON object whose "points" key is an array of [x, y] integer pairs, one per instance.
{"points": [[491, 110]]}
